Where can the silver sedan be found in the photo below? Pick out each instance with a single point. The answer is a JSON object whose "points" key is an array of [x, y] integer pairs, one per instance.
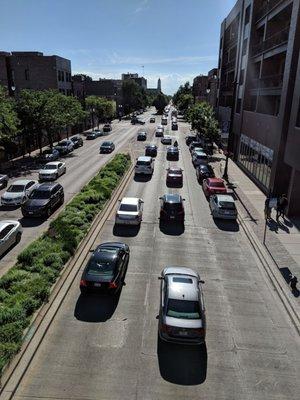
{"points": [[10, 234]]}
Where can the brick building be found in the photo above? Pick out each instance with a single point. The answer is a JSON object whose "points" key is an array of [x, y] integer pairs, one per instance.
{"points": [[140, 80], [259, 72], [200, 85]]}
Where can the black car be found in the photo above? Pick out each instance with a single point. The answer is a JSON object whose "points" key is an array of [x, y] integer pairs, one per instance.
{"points": [[107, 128], [3, 181], [152, 119], [204, 171], [195, 144], [172, 153], [142, 136], [174, 126], [189, 139], [43, 200], [106, 269], [77, 141], [151, 150], [136, 120], [93, 134], [107, 147], [171, 208]]}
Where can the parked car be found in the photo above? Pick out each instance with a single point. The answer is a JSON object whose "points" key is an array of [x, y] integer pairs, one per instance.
{"points": [[189, 139], [3, 181], [204, 171], [94, 134], [181, 312], [166, 139], [107, 147], [174, 176], [106, 269], [159, 132], [223, 206], [195, 149], [18, 192], [65, 147], [171, 208], [107, 128], [193, 145], [199, 157], [10, 234], [77, 141], [152, 119], [43, 200], [174, 126], [151, 150], [172, 153], [213, 186], [144, 166], [130, 211], [52, 171], [136, 120], [50, 155], [142, 136]]}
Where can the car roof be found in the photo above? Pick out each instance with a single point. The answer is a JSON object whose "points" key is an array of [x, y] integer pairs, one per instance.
{"points": [[22, 181], [47, 185], [172, 198], [6, 222], [180, 290], [53, 163], [167, 137], [107, 143], [130, 200], [172, 148], [142, 133], [144, 158], [215, 180], [225, 197], [151, 145], [173, 169]]}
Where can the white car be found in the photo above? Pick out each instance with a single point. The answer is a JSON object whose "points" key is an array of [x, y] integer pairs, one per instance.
{"points": [[166, 139], [130, 211], [18, 192], [144, 165], [222, 206], [199, 157], [10, 234], [52, 170], [160, 127]]}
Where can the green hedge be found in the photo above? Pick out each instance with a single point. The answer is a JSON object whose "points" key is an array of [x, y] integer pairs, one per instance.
{"points": [[26, 286]]}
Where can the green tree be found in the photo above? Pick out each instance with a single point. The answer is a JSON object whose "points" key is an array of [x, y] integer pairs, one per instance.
{"points": [[133, 96], [160, 103], [100, 107], [202, 118], [183, 89], [9, 121], [185, 102]]}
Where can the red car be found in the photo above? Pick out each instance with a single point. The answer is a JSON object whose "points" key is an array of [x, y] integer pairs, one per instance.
{"points": [[174, 176], [213, 186]]}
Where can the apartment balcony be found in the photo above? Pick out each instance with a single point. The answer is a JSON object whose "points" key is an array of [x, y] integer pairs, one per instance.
{"points": [[265, 9], [278, 39]]}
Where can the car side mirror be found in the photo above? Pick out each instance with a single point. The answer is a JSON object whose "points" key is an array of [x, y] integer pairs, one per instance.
{"points": [[201, 281]]}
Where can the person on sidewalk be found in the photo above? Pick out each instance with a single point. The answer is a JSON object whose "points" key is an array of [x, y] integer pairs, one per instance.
{"points": [[267, 209], [281, 206], [293, 282]]}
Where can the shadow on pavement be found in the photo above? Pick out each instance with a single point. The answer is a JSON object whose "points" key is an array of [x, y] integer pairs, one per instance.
{"points": [[126, 230], [226, 225], [182, 364], [31, 222], [171, 229], [95, 308], [142, 178], [9, 208]]}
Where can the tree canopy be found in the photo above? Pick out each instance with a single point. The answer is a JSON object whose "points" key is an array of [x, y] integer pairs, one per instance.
{"points": [[9, 121], [160, 102], [185, 89], [202, 118], [103, 109]]}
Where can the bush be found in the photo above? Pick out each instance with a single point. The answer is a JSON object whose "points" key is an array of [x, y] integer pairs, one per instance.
{"points": [[27, 285]]}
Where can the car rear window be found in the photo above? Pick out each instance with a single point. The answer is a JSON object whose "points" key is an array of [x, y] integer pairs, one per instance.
{"points": [[98, 267], [179, 279], [50, 167], [142, 162], [228, 205], [217, 184], [106, 144], [128, 207], [184, 309]]}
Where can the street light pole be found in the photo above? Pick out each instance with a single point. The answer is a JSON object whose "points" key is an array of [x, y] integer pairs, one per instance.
{"points": [[230, 131]]}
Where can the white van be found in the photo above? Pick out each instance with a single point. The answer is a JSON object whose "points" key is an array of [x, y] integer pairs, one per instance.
{"points": [[144, 166]]}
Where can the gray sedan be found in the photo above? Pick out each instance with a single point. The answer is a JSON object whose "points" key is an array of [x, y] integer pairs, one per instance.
{"points": [[10, 234], [182, 313]]}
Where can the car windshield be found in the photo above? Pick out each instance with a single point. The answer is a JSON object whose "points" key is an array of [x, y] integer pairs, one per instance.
{"points": [[52, 166], [16, 188], [228, 205], [40, 194], [128, 207], [184, 309], [98, 267], [217, 184]]}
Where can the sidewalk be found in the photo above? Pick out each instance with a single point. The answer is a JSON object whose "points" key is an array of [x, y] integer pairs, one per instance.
{"points": [[282, 240]]}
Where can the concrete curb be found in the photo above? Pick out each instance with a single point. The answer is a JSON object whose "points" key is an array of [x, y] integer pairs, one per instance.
{"points": [[43, 318]]}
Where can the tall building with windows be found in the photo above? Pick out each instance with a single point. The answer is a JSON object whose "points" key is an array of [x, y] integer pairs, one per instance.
{"points": [[33, 70], [259, 75]]}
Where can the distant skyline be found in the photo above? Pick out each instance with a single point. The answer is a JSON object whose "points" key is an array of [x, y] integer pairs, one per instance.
{"points": [[171, 39]]}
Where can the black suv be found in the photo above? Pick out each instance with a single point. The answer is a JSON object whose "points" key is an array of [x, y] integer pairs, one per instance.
{"points": [[43, 200], [142, 136], [107, 147], [77, 141], [171, 208], [204, 171], [172, 153], [151, 150]]}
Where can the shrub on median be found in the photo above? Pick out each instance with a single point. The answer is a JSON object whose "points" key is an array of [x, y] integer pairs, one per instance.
{"points": [[27, 285]]}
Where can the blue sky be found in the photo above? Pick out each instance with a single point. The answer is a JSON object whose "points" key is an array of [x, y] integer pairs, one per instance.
{"points": [[173, 39]]}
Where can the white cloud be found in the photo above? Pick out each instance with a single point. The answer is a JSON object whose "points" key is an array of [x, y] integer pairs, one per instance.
{"points": [[141, 6]]}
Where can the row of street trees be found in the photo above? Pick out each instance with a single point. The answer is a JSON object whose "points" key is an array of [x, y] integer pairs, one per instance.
{"points": [[200, 114]]}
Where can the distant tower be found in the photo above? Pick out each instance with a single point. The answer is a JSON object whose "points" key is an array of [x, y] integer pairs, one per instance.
{"points": [[159, 85]]}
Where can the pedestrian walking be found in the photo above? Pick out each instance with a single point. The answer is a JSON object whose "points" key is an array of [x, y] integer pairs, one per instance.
{"points": [[267, 209], [293, 282], [282, 203]]}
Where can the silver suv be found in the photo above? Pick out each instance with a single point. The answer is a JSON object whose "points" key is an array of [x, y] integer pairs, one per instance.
{"points": [[182, 313]]}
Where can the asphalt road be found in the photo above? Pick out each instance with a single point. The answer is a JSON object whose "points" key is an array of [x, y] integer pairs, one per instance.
{"points": [[82, 164], [106, 348]]}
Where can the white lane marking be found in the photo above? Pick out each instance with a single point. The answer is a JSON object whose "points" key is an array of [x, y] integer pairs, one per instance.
{"points": [[146, 293]]}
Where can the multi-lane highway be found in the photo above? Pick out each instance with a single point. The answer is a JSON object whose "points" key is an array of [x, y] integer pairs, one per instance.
{"points": [[107, 348]]}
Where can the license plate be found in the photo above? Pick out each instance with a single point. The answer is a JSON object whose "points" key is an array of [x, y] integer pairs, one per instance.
{"points": [[30, 212], [183, 333], [97, 284], [172, 217]]}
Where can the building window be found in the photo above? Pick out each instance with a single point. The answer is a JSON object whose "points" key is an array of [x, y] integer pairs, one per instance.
{"points": [[242, 76], [27, 74], [62, 76], [247, 15], [238, 106], [244, 49], [298, 116]]}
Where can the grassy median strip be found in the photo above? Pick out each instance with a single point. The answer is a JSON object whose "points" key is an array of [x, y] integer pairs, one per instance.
{"points": [[26, 286]]}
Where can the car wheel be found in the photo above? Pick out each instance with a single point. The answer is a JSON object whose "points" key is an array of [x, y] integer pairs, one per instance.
{"points": [[18, 237]]}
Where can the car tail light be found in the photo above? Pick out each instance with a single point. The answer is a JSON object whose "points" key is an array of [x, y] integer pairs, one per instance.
{"points": [[166, 328], [200, 331], [113, 285], [83, 282]]}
